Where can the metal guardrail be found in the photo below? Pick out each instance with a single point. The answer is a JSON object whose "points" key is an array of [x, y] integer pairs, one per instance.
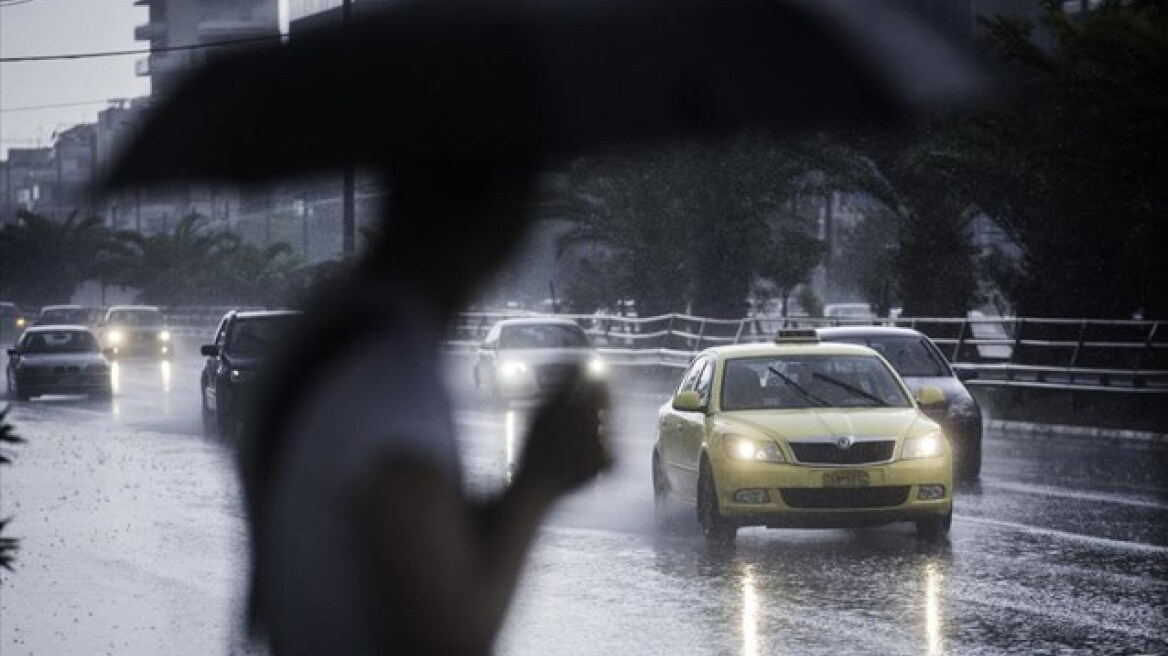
{"points": [[1079, 354]]}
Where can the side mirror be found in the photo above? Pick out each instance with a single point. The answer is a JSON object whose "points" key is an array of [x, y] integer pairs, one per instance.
{"points": [[688, 401], [109, 351], [965, 373], [930, 396], [13, 352], [209, 350]]}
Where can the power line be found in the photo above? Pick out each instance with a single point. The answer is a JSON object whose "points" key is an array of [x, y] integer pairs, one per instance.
{"points": [[140, 51]]}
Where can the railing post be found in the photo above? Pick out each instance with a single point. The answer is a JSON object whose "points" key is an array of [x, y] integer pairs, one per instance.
{"points": [[960, 341], [701, 334], [1079, 344], [738, 334], [1149, 354], [1018, 322]]}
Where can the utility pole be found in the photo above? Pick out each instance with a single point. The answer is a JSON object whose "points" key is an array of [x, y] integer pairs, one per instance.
{"points": [[348, 208]]}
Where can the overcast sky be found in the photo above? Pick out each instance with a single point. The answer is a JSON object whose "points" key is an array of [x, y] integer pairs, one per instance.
{"points": [[49, 27]]}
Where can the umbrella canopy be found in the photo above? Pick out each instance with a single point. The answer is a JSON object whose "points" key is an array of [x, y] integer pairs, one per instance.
{"points": [[496, 84]]}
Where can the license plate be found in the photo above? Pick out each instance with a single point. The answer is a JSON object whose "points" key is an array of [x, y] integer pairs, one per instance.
{"points": [[846, 479]]}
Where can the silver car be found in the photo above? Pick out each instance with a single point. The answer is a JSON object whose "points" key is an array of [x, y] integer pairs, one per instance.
{"points": [[58, 360], [524, 359]]}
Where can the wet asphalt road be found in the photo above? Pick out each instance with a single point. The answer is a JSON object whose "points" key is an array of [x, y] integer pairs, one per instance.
{"points": [[133, 544]]}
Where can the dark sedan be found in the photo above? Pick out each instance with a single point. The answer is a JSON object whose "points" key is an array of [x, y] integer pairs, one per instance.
{"points": [[232, 365], [57, 360], [920, 363]]}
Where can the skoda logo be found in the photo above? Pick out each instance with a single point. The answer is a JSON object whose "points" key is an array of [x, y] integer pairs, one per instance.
{"points": [[845, 442]]}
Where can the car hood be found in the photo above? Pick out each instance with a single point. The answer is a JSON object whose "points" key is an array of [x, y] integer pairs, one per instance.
{"points": [[53, 359], [540, 356], [829, 422]]}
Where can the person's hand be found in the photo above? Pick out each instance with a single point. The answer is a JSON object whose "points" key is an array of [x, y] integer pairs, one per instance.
{"points": [[567, 444]]}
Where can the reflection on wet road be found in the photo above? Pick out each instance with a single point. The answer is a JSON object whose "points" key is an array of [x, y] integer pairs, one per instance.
{"points": [[133, 544]]}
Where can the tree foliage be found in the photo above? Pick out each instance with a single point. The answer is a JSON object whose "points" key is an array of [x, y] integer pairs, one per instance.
{"points": [[685, 227], [1075, 169], [194, 264], [43, 260]]}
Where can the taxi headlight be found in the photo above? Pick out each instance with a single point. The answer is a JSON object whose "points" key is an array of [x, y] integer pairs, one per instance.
{"points": [[511, 370], [164, 335], [115, 337], [596, 368], [744, 448], [924, 446], [241, 375], [20, 322]]}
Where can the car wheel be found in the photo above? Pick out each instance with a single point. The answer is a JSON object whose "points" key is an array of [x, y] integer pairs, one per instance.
{"points": [[716, 528], [970, 467], [210, 427], [226, 425], [936, 527], [664, 511], [14, 390]]}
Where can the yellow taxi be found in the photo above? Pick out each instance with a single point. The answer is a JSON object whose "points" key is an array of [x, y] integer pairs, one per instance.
{"points": [[802, 434]]}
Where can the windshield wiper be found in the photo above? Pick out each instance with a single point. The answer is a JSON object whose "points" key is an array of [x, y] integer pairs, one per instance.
{"points": [[851, 388], [798, 388]]}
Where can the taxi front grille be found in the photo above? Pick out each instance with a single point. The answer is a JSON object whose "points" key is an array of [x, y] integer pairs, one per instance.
{"points": [[845, 497], [827, 453]]}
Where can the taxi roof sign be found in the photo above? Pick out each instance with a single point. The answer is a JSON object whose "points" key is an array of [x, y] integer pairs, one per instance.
{"points": [[796, 336]]}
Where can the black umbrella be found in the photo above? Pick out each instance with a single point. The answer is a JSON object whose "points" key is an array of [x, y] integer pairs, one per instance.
{"points": [[489, 84]]}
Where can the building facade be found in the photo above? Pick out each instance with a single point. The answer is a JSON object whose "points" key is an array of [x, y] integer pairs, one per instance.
{"points": [[184, 33]]}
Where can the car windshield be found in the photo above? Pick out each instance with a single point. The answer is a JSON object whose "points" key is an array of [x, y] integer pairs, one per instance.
{"points": [[143, 318], [809, 381], [64, 315], [910, 356], [59, 341], [542, 336], [252, 336]]}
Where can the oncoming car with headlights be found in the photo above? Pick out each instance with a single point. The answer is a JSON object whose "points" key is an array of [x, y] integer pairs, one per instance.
{"points": [[523, 359], [136, 330], [801, 434]]}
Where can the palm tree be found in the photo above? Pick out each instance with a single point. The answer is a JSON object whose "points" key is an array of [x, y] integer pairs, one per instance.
{"points": [[183, 266], [42, 261], [261, 276]]}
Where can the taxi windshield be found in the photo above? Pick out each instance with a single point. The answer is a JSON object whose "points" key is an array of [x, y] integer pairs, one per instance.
{"points": [[810, 381]]}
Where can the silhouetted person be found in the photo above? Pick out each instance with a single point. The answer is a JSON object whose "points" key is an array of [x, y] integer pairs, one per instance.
{"points": [[364, 541]]}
